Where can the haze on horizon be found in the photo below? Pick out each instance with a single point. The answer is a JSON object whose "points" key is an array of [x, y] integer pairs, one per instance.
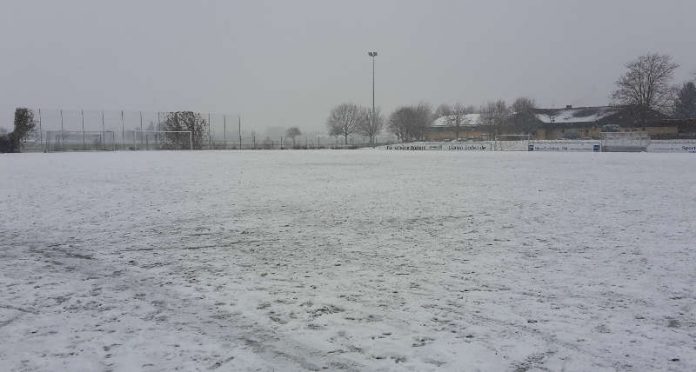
{"points": [[280, 64]]}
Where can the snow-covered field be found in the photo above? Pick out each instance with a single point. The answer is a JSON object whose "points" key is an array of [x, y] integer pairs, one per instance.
{"points": [[362, 260]]}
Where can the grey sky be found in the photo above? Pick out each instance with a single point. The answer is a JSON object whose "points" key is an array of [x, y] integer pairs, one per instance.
{"points": [[282, 63]]}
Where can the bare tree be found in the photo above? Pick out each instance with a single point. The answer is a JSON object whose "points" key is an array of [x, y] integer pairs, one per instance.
{"points": [[455, 119], [292, 133], [646, 84], [494, 115], [184, 121], [410, 123], [523, 104], [345, 119], [685, 103], [372, 126], [523, 118], [443, 110]]}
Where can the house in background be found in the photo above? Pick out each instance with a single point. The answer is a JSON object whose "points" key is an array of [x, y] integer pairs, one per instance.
{"points": [[444, 128], [567, 123], [590, 122]]}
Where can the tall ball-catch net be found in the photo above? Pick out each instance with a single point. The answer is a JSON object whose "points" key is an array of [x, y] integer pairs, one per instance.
{"points": [[68, 140]]}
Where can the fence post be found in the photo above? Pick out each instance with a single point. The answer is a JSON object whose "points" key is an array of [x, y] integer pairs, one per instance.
{"points": [[157, 135], [41, 132], [62, 130], [103, 134], [82, 114], [141, 128], [123, 132]]}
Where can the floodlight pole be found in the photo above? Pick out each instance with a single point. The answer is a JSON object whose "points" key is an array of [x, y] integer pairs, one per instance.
{"points": [[372, 117]]}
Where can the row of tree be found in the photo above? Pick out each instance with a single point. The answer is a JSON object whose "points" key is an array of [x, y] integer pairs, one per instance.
{"points": [[410, 123], [646, 86], [348, 118]]}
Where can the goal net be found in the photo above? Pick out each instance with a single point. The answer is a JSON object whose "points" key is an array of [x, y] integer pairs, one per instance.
{"points": [[625, 141], [512, 142], [162, 140], [68, 140]]}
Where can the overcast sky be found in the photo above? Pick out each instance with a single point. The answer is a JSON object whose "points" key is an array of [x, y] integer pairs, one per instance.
{"points": [[283, 63]]}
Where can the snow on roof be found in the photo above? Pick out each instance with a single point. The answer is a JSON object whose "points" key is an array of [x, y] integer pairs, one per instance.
{"points": [[468, 120], [575, 115]]}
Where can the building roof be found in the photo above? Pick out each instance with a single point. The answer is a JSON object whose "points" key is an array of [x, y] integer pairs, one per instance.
{"points": [[468, 120], [575, 114]]}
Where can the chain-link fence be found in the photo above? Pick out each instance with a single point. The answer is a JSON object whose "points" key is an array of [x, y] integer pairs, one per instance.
{"points": [[89, 130]]}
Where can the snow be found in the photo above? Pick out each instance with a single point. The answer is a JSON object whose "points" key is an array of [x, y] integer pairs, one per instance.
{"points": [[340, 260], [576, 115], [468, 120]]}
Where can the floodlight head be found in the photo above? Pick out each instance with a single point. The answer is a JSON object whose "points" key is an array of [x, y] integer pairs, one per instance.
{"points": [[372, 54]]}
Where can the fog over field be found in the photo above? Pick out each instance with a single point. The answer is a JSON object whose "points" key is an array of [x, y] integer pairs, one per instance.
{"points": [[282, 64], [347, 260]]}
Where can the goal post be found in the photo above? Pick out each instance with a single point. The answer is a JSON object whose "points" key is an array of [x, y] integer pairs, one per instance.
{"points": [[512, 142], [637, 141]]}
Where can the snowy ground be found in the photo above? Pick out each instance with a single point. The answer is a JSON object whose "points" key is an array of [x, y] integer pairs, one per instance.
{"points": [[363, 260]]}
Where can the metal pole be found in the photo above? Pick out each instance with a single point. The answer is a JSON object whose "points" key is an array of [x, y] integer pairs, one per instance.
{"points": [[40, 130], [141, 127], [373, 88], [373, 118], [239, 130], [103, 129], [157, 137], [123, 131], [62, 130], [210, 138], [224, 130], [82, 113]]}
